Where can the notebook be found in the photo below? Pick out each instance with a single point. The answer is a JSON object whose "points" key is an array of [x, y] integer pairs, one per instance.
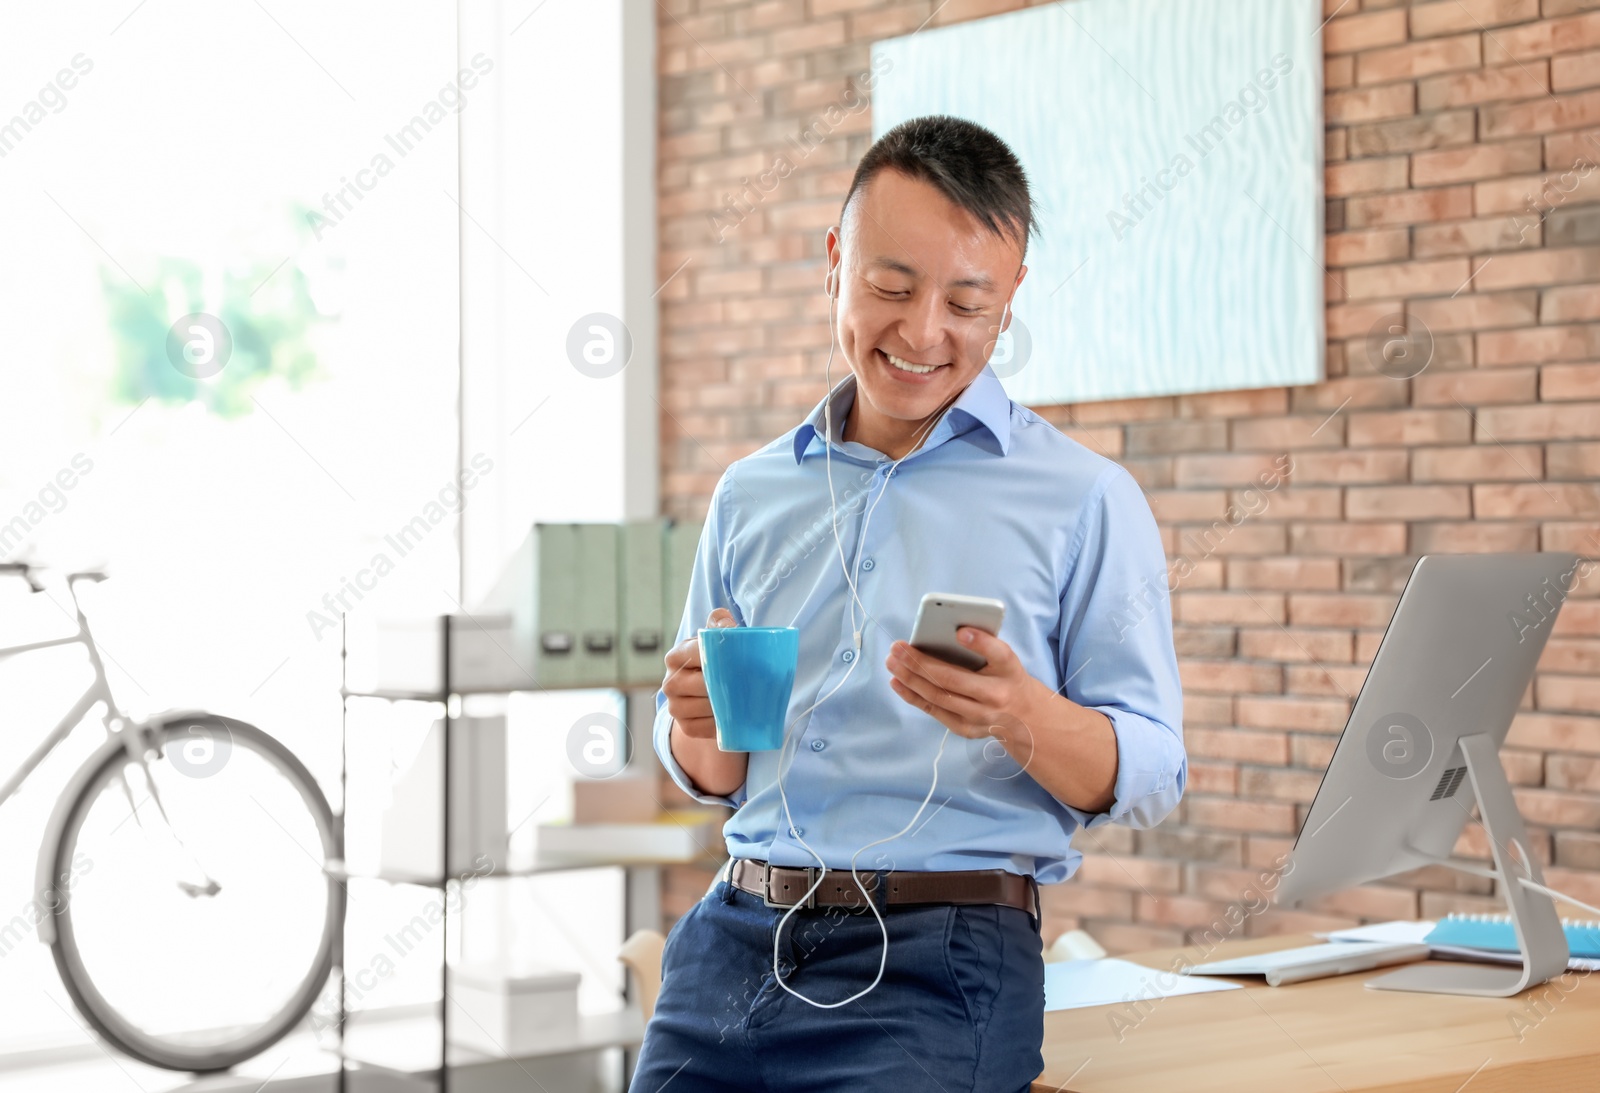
{"points": [[1495, 933]]}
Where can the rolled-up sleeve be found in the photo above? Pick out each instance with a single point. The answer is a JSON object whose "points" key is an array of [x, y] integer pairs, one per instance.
{"points": [[709, 588], [1117, 655]]}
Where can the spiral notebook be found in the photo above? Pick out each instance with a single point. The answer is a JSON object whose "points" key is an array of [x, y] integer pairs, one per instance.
{"points": [[1495, 934]]}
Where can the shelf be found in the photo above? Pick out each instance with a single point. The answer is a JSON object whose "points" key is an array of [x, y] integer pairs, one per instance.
{"points": [[341, 871], [410, 1046], [396, 694]]}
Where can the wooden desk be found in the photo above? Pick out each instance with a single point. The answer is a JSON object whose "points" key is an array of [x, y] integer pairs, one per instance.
{"points": [[1326, 1035]]}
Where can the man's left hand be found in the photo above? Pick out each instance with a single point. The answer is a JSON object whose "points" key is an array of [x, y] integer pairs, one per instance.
{"points": [[992, 701]]}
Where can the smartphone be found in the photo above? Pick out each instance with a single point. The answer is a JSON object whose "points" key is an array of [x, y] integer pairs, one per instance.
{"points": [[939, 616]]}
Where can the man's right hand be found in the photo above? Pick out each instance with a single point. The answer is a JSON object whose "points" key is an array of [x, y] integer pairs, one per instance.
{"points": [[685, 684], [694, 728]]}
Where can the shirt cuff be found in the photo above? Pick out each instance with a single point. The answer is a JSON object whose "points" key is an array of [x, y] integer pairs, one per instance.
{"points": [[663, 744], [1151, 771]]}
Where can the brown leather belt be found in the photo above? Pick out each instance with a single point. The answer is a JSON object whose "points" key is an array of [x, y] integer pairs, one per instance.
{"points": [[783, 886]]}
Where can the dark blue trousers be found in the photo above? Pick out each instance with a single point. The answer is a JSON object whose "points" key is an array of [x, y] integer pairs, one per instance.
{"points": [[960, 1007]]}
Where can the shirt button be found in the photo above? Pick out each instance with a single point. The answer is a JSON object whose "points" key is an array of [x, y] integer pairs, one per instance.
{"points": [[848, 655], [797, 832], [817, 745], [868, 564]]}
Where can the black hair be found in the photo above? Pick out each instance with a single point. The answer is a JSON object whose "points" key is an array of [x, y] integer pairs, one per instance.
{"points": [[971, 166]]}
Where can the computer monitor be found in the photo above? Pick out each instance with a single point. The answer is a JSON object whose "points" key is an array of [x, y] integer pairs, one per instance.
{"points": [[1421, 748]]}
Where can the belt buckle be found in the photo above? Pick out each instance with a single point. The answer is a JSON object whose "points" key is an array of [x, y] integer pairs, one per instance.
{"points": [[810, 903]]}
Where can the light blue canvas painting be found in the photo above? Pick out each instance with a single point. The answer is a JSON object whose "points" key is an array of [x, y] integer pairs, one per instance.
{"points": [[1174, 148]]}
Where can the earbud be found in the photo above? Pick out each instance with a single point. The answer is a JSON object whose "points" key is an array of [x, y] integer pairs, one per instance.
{"points": [[832, 282]]}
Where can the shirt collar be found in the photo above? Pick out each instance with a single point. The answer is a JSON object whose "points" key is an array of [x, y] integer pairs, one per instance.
{"points": [[984, 401]]}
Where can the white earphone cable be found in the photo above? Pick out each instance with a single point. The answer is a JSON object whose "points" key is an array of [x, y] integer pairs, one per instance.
{"points": [[857, 629]]}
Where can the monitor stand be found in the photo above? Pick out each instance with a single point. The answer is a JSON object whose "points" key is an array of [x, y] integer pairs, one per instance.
{"points": [[1533, 914]]}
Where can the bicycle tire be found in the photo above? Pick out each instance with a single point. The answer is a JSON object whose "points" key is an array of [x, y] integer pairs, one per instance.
{"points": [[79, 984]]}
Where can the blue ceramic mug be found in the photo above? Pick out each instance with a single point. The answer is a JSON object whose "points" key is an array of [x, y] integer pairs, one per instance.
{"points": [[749, 678]]}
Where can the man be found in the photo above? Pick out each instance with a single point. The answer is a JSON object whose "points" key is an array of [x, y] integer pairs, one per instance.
{"points": [[1075, 721]]}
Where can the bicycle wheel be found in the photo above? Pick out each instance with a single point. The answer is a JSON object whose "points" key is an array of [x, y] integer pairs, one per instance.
{"points": [[165, 968]]}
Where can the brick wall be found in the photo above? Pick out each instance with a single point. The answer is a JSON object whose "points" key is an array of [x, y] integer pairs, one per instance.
{"points": [[1460, 189]]}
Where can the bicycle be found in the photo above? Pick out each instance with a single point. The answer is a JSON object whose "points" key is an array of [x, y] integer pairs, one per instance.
{"points": [[176, 897]]}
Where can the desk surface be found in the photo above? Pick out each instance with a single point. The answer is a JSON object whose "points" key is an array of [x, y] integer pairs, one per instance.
{"points": [[1331, 1035]]}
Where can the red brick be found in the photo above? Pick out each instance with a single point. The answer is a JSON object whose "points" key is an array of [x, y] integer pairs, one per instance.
{"points": [[1410, 427], [1346, 609], [1284, 434], [1338, 72], [1246, 537], [1441, 130], [1473, 311], [1507, 83], [1355, 320], [1201, 709], [1283, 574], [1430, 278], [1292, 504], [1471, 388], [1350, 33], [1333, 397], [1540, 115], [1300, 714], [1476, 538], [1568, 694], [1234, 744], [1265, 400], [1478, 463], [1277, 643], [1411, 207], [1230, 677], [1528, 199], [1452, 16], [1544, 38], [1576, 303], [1574, 72], [1475, 236], [1408, 62], [1572, 460], [1226, 470], [1566, 150], [1365, 176], [1363, 247], [1578, 537], [1476, 162], [1325, 680], [1560, 382], [1556, 732], [1370, 104], [1370, 902], [1346, 539], [1542, 267], [1498, 501], [1264, 783], [1539, 346], [1243, 608], [1224, 814], [1116, 871], [1562, 421], [1351, 466], [1407, 503]]}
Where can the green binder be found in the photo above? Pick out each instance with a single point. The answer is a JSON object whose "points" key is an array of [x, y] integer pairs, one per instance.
{"points": [[641, 577], [683, 537], [597, 612]]}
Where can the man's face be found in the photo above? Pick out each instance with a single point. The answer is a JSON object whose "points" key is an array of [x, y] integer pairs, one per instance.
{"points": [[922, 280]]}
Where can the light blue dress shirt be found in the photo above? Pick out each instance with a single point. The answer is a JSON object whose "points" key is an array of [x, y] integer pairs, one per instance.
{"points": [[997, 502]]}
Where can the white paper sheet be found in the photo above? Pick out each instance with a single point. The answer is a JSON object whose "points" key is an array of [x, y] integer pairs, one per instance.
{"points": [[1072, 984], [1399, 931]]}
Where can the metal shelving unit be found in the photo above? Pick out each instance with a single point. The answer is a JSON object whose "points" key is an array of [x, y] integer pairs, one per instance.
{"points": [[622, 1029]]}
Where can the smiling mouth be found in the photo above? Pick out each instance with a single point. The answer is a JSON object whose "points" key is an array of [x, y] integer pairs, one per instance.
{"points": [[908, 366]]}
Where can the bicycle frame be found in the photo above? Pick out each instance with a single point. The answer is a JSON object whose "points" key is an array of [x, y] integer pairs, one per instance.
{"points": [[98, 691]]}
